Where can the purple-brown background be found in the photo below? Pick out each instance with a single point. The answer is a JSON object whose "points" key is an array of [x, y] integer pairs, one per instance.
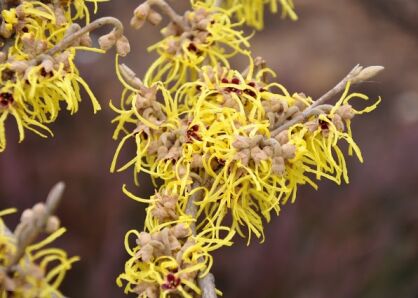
{"points": [[356, 240]]}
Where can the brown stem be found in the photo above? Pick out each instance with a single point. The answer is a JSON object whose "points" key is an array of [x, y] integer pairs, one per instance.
{"points": [[130, 77], [206, 283], [357, 75]]}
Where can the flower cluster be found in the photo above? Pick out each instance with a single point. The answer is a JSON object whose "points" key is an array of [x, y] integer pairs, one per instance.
{"points": [[225, 148], [226, 129], [32, 270], [37, 70], [168, 259], [204, 35]]}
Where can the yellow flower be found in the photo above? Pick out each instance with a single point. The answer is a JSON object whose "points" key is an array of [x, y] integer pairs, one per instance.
{"points": [[234, 147], [168, 261], [147, 122], [207, 37], [317, 143]]}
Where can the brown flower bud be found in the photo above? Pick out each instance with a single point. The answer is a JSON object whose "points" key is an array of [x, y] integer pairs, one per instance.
{"points": [[367, 73], [27, 216], [154, 18], [142, 11], [312, 125], [122, 46], [143, 239], [268, 150], [278, 165], [243, 156], [52, 224], [60, 15], [39, 210], [20, 12], [181, 231], [289, 151], [137, 23], [4, 31], [258, 155], [196, 161], [346, 112], [19, 66], [282, 137], [63, 58], [277, 149], [146, 253], [338, 122], [241, 143], [203, 24], [254, 141], [292, 111], [107, 41], [171, 29], [48, 65], [41, 46]]}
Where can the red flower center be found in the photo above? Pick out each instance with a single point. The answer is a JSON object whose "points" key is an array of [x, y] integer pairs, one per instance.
{"points": [[6, 99], [192, 133], [172, 282]]}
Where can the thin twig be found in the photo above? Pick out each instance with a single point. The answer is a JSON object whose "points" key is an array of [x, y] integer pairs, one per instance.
{"points": [[357, 75], [69, 40], [52, 202], [170, 12], [96, 24], [206, 283]]}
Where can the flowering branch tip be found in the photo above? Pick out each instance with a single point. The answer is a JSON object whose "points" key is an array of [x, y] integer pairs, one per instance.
{"points": [[357, 75], [37, 220]]}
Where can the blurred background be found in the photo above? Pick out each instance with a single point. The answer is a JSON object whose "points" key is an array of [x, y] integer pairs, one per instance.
{"points": [[356, 240]]}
